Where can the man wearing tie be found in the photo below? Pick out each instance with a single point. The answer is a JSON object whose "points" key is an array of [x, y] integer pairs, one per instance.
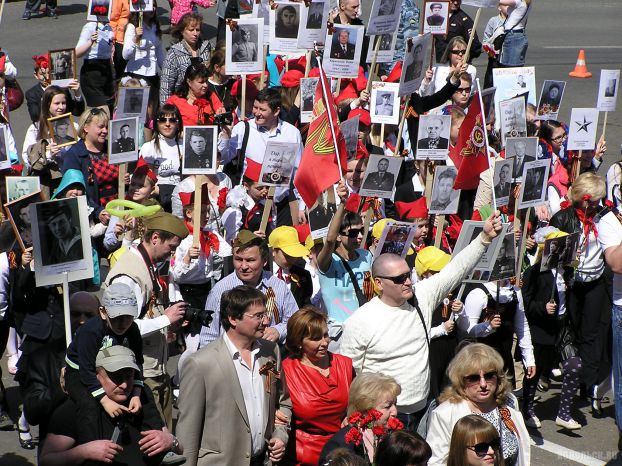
{"points": [[502, 189], [380, 180], [342, 49], [520, 158]]}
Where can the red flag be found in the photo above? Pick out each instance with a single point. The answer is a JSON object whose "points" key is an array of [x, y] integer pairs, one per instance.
{"points": [[319, 165], [471, 146]]}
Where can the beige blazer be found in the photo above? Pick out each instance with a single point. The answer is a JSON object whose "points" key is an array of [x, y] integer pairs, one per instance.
{"points": [[213, 424]]}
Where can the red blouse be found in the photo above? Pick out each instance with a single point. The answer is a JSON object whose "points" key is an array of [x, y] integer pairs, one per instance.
{"points": [[190, 112], [319, 406]]}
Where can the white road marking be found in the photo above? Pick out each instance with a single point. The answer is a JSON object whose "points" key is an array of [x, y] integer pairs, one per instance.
{"points": [[571, 455], [582, 47]]}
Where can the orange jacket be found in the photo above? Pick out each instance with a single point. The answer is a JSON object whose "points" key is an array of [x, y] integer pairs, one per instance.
{"points": [[119, 17]]}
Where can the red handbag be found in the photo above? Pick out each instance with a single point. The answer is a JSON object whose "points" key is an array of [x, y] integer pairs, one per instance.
{"points": [[14, 94]]}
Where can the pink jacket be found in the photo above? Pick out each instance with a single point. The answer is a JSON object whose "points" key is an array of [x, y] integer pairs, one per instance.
{"points": [[181, 7]]}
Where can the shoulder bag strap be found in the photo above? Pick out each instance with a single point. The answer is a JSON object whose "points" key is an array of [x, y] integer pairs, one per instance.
{"points": [[415, 303], [242, 151], [357, 289]]}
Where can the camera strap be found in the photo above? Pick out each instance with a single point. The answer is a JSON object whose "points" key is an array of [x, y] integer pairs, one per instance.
{"points": [[160, 287], [242, 151]]}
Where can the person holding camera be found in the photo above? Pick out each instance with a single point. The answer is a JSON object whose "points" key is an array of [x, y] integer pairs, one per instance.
{"points": [[138, 269]]}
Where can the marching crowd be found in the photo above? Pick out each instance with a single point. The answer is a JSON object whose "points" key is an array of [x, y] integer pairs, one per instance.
{"points": [[297, 348]]}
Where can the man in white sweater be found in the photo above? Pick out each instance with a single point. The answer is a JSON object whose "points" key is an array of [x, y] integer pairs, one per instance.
{"points": [[389, 333]]}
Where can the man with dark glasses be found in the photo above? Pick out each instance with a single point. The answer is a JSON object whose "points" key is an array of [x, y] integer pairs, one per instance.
{"points": [[390, 334]]}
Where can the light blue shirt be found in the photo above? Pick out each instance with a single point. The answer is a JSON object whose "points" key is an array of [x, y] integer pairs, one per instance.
{"points": [[103, 48]]}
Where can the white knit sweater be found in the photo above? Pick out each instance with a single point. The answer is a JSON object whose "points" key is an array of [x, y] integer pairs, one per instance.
{"points": [[391, 340]]}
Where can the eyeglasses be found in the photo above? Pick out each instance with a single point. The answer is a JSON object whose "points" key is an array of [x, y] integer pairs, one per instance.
{"points": [[398, 279], [258, 317], [166, 119], [458, 52], [463, 90], [475, 378], [481, 449], [353, 232], [560, 138]]}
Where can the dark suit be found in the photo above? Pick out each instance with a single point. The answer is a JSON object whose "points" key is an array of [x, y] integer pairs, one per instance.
{"points": [[379, 183], [123, 145], [338, 53], [435, 20], [424, 143], [518, 168], [314, 21], [502, 191]]}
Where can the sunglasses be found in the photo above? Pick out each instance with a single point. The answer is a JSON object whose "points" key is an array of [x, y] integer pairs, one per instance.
{"points": [[475, 378], [398, 279], [458, 52], [481, 449], [353, 232], [166, 119], [463, 90]]}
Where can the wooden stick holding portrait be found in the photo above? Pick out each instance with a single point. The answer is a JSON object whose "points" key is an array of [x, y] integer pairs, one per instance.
{"points": [[267, 209], [400, 129], [196, 213], [472, 36]]}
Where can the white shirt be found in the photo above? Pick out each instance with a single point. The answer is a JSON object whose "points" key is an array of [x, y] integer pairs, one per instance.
{"points": [[146, 57], [609, 236], [165, 161], [251, 383], [440, 73], [103, 48], [517, 16]]}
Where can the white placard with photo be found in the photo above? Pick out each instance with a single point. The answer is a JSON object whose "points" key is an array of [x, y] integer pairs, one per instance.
{"points": [[62, 241], [550, 99], [488, 100], [200, 150], [521, 151], [320, 215], [502, 182], [386, 51], [278, 163], [384, 17], [62, 67], [342, 52], [5, 161], [505, 263], [436, 17], [385, 103], [308, 87], [444, 197], [244, 52], [513, 82], [139, 6], [380, 176], [468, 233], [123, 140], [313, 20], [533, 188], [20, 186], [559, 252], [433, 137], [416, 60], [18, 213], [513, 118], [582, 129], [99, 11], [608, 90], [261, 10], [132, 102], [285, 20], [396, 238]]}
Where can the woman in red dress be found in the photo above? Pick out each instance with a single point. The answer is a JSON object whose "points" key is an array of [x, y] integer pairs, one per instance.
{"points": [[318, 383]]}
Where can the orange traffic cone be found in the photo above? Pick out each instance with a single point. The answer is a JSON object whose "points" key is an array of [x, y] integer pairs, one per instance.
{"points": [[580, 70]]}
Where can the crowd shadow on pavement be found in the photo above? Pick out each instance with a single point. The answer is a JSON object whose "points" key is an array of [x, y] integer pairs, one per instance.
{"points": [[11, 459], [72, 9]]}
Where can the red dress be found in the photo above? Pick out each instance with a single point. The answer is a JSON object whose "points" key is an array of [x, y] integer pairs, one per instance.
{"points": [[319, 405]]}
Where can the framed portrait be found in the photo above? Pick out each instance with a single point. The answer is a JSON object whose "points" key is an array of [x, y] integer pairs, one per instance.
{"points": [[99, 11], [123, 140], [320, 215], [308, 87], [513, 82], [582, 129], [385, 103], [284, 25], [63, 130], [5, 162], [435, 17], [502, 182], [386, 49], [608, 90], [416, 59], [62, 242], [138, 6], [18, 213], [550, 99], [132, 102], [513, 118], [559, 252], [433, 137], [533, 188], [504, 265], [244, 52], [520, 151], [468, 233], [200, 150], [396, 238], [444, 197], [380, 176], [342, 51], [278, 163], [62, 66], [313, 20], [21, 186], [384, 17]]}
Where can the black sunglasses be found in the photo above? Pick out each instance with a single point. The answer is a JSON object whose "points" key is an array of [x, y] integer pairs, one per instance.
{"points": [[353, 232], [165, 119], [474, 378], [398, 279], [458, 52], [481, 449]]}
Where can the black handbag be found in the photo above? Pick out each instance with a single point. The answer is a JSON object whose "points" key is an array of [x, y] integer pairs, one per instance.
{"points": [[565, 341]]}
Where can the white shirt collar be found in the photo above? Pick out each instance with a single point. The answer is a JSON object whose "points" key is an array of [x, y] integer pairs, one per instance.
{"points": [[235, 352]]}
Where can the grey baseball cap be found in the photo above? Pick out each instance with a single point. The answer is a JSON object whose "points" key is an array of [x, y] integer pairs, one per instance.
{"points": [[120, 300], [115, 358]]}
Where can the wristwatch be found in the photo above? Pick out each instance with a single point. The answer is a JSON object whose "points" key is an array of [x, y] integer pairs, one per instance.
{"points": [[175, 446]]}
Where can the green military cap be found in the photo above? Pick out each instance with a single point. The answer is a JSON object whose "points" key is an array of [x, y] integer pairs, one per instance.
{"points": [[164, 221], [244, 237]]}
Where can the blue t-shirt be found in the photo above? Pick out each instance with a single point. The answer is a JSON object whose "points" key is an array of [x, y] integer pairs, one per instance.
{"points": [[336, 286]]}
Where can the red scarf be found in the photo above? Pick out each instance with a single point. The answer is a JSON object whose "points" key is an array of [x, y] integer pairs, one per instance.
{"points": [[209, 241], [588, 224]]}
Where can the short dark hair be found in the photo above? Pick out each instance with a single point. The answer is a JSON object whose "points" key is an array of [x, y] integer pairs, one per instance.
{"points": [[197, 133], [402, 447], [193, 71], [448, 174], [50, 211], [234, 303], [271, 96], [350, 219], [261, 244], [123, 126], [164, 235], [308, 322]]}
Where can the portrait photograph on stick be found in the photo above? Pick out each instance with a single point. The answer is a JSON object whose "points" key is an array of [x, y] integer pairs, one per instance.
{"points": [[385, 103], [62, 66], [471, 230], [582, 129], [18, 212], [384, 17], [342, 52], [396, 238], [308, 87], [63, 130], [278, 163], [99, 11], [513, 118], [533, 188], [416, 57], [436, 15], [433, 137], [380, 176], [608, 90], [320, 215], [502, 182], [513, 82], [313, 20], [444, 197], [123, 140], [132, 102], [520, 151], [504, 266], [284, 34], [550, 99], [21, 186], [244, 51], [386, 50], [62, 241], [200, 150], [559, 252], [138, 6]]}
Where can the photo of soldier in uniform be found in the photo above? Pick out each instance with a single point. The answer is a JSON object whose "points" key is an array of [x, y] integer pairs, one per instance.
{"points": [[244, 48], [396, 238], [436, 14], [287, 21], [504, 264], [21, 186], [381, 179], [502, 182], [320, 215], [62, 65], [384, 104], [132, 102], [314, 15], [380, 176], [122, 137], [444, 196], [62, 130], [559, 252], [550, 99], [199, 150], [435, 131], [59, 232], [18, 212], [533, 189]]}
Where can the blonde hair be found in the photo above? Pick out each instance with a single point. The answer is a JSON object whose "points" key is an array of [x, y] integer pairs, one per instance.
{"points": [[471, 430], [367, 388], [95, 114], [472, 359], [587, 183]]}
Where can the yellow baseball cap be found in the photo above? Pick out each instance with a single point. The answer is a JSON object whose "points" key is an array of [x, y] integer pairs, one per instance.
{"points": [[431, 259], [286, 239]]}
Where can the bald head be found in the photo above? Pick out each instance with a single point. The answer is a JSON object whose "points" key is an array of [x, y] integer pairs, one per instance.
{"points": [[82, 306], [385, 264]]}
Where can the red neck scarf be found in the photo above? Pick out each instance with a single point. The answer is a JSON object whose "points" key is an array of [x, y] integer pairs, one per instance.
{"points": [[588, 225], [209, 241]]}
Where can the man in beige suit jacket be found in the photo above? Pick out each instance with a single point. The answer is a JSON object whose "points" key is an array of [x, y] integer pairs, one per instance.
{"points": [[231, 389]]}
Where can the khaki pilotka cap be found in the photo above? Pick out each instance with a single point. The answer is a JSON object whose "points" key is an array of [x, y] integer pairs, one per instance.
{"points": [[166, 222], [244, 237]]}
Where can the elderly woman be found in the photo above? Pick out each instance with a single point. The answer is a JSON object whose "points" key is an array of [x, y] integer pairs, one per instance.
{"points": [[479, 386], [474, 442], [369, 391], [318, 382], [588, 300]]}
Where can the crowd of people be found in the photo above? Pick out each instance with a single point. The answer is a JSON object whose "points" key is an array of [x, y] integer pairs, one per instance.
{"points": [[296, 345]]}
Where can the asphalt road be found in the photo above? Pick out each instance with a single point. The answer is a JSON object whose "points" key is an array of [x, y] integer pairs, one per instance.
{"points": [[557, 29]]}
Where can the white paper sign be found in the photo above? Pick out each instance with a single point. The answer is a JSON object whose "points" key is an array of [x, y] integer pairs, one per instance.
{"points": [[312, 24], [342, 51], [433, 137], [384, 18], [278, 163], [244, 51], [308, 87], [385, 51], [512, 82], [582, 129], [533, 188], [385, 103], [513, 118], [285, 21], [608, 90]]}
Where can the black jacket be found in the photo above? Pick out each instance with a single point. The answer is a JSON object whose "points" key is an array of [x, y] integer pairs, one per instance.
{"points": [[303, 290]]}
